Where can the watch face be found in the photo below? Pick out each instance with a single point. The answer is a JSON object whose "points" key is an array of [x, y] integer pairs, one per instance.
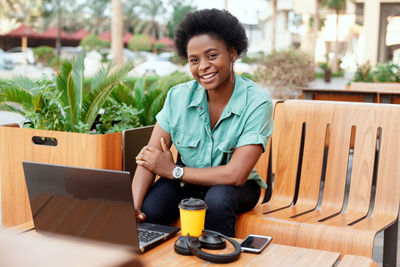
{"points": [[178, 172]]}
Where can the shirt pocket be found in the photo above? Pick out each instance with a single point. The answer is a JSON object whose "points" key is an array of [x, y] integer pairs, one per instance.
{"points": [[226, 148], [188, 148]]}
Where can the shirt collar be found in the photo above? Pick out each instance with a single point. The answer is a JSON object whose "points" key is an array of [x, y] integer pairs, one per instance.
{"points": [[236, 103]]}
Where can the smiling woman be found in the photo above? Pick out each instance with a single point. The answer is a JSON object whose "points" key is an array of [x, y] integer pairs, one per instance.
{"points": [[219, 123]]}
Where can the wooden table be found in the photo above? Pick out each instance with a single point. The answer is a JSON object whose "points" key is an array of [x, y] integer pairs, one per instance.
{"points": [[96, 254], [273, 255], [36, 250]]}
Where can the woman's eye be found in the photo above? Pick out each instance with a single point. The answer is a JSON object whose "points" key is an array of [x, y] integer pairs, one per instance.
{"points": [[193, 60], [212, 56]]}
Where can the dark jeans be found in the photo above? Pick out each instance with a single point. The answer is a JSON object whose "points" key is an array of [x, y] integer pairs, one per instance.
{"points": [[224, 202]]}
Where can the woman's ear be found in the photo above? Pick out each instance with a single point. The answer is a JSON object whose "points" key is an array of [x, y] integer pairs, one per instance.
{"points": [[233, 53]]}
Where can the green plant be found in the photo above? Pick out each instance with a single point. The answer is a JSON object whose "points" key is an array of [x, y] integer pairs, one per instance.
{"points": [[285, 72], [160, 47], [386, 72], [363, 73], [323, 65], [74, 111], [44, 54], [177, 59], [56, 62], [252, 77], [92, 42], [118, 117], [147, 95], [140, 42], [381, 72], [249, 60]]}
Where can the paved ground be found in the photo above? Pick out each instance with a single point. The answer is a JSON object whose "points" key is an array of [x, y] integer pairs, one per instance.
{"points": [[336, 83]]}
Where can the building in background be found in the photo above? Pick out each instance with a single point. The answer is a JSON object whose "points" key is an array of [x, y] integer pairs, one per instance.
{"points": [[260, 33], [369, 30]]}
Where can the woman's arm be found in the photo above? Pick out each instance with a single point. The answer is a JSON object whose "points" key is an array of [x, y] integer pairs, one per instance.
{"points": [[144, 178], [234, 173]]}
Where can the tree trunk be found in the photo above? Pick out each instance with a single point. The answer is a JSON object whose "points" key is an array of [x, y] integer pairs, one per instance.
{"points": [[59, 29], [335, 65], [274, 15], [116, 34], [315, 29]]}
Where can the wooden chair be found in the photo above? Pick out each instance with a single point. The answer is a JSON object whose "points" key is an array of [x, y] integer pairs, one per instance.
{"points": [[334, 212]]}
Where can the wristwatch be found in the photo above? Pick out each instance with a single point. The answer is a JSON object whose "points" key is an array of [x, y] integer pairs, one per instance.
{"points": [[177, 173]]}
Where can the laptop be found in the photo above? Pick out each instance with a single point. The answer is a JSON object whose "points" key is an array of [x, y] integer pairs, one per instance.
{"points": [[89, 203]]}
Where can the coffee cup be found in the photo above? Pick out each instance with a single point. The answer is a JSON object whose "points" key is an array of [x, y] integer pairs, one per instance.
{"points": [[193, 213]]}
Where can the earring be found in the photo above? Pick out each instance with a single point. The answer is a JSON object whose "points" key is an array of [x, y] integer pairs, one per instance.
{"points": [[232, 74]]}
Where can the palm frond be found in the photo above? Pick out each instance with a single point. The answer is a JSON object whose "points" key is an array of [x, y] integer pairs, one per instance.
{"points": [[72, 100], [11, 108], [122, 94], [101, 74], [75, 88], [104, 90], [17, 95], [62, 80], [24, 83], [138, 91]]}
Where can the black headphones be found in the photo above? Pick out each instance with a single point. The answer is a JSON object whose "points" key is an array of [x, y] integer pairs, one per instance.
{"points": [[187, 245]]}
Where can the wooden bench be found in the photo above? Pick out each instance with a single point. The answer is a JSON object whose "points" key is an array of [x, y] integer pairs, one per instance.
{"points": [[314, 204]]}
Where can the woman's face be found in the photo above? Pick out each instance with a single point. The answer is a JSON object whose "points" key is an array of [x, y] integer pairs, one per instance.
{"points": [[210, 61]]}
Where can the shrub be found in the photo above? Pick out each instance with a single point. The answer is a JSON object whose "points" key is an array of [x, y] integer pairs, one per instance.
{"points": [[386, 72], [160, 47], [56, 62], [140, 42], [177, 59], [92, 42], [381, 72], [44, 54], [285, 72], [363, 73]]}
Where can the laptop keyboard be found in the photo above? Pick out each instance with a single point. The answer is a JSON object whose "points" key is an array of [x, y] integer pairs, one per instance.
{"points": [[147, 236]]}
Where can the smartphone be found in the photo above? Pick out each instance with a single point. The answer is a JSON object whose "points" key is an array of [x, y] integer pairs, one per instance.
{"points": [[255, 243]]}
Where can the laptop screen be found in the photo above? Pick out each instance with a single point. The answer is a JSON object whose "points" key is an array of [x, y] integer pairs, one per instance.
{"points": [[87, 203]]}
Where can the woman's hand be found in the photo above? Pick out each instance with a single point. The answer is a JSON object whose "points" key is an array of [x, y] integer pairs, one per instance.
{"points": [[140, 216], [157, 161]]}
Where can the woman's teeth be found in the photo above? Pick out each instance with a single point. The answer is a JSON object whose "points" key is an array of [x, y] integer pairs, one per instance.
{"points": [[208, 76]]}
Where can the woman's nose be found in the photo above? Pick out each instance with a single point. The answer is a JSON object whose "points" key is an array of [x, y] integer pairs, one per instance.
{"points": [[204, 64]]}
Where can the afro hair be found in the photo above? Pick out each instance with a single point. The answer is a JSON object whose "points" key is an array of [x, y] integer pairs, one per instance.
{"points": [[219, 23]]}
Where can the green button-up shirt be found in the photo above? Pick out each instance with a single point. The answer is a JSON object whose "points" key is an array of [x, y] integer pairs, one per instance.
{"points": [[246, 119]]}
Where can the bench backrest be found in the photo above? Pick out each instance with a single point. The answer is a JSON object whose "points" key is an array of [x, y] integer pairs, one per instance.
{"points": [[310, 131]]}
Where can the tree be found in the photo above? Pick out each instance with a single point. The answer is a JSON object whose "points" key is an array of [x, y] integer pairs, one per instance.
{"points": [[26, 11], [116, 33], [274, 15], [153, 9], [180, 9], [131, 10], [339, 6], [99, 20], [316, 23]]}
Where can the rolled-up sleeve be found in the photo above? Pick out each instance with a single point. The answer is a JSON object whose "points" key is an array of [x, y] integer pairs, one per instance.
{"points": [[163, 117], [258, 127]]}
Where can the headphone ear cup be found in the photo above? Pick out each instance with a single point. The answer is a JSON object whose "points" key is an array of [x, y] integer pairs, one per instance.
{"points": [[210, 240], [181, 245], [226, 258]]}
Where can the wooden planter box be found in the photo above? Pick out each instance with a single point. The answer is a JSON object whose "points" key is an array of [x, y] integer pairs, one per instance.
{"points": [[375, 87], [74, 149]]}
